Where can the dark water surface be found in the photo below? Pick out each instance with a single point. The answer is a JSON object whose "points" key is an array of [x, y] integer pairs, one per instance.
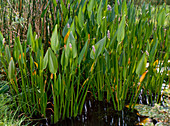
{"points": [[99, 113]]}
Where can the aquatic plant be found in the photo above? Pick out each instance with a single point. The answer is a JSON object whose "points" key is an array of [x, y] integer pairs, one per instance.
{"points": [[87, 48]]}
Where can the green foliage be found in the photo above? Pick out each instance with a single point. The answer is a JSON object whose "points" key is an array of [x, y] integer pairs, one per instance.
{"points": [[90, 50]]}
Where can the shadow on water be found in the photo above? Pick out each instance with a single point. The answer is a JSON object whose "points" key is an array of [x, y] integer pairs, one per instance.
{"points": [[99, 113]]}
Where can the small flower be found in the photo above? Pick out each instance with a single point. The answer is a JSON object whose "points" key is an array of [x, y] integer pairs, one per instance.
{"points": [[68, 25], [68, 6], [57, 1], [70, 46], [108, 34], [118, 2], [93, 48], [147, 53], [109, 8]]}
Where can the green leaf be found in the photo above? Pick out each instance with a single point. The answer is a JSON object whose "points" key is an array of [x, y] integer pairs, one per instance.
{"points": [[1, 40], [82, 53], [4, 89], [73, 42], [52, 61], [7, 53], [11, 69], [124, 8], [161, 17], [55, 3], [45, 60], [99, 13], [20, 48], [153, 50], [90, 7], [116, 8], [30, 39], [54, 40], [81, 18], [141, 65], [62, 57], [121, 30], [99, 47], [45, 10], [65, 30]]}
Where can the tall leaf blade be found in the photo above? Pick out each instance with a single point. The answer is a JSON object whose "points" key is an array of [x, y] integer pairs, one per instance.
{"points": [[81, 18], [45, 60], [82, 53], [30, 39], [99, 13], [73, 42], [90, 7], [121, 30], [11, 69], [54, 40], [52, 61], [141, 65]]}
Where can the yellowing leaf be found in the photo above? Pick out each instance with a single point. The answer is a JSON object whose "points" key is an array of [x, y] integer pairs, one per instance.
{"points": [[155, 63], [143, 76], [34, 73], [92, 66], [20, 55], [36, 64], [85, 82], [66, 37], [51, 76]]}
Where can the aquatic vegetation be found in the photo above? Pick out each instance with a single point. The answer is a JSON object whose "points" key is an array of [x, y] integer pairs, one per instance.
{"points": [[88, 46]]}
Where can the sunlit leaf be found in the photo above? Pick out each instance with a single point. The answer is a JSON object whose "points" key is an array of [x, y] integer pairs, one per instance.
{"points": [[141, 65], [81, 18], [99, 13], [11, 69], [143, 76], [99, 47], [54, 40], [121, 30], [52, 61], [45, 60], [66, 37], [82, 53]]}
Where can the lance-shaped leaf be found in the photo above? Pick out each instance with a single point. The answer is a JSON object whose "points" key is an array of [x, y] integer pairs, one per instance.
{"points": [[73, 43], [54, 40], [121, 30], [116, 7], [82, 53], [52, 61], [161, 17], [141, 65], [1, 40], [7, 53], [98, 48], [99, 13], [11, 69], [90, 7], [30, 38], [45, 60], [81, 18], [55, 3], [124, 8]]}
